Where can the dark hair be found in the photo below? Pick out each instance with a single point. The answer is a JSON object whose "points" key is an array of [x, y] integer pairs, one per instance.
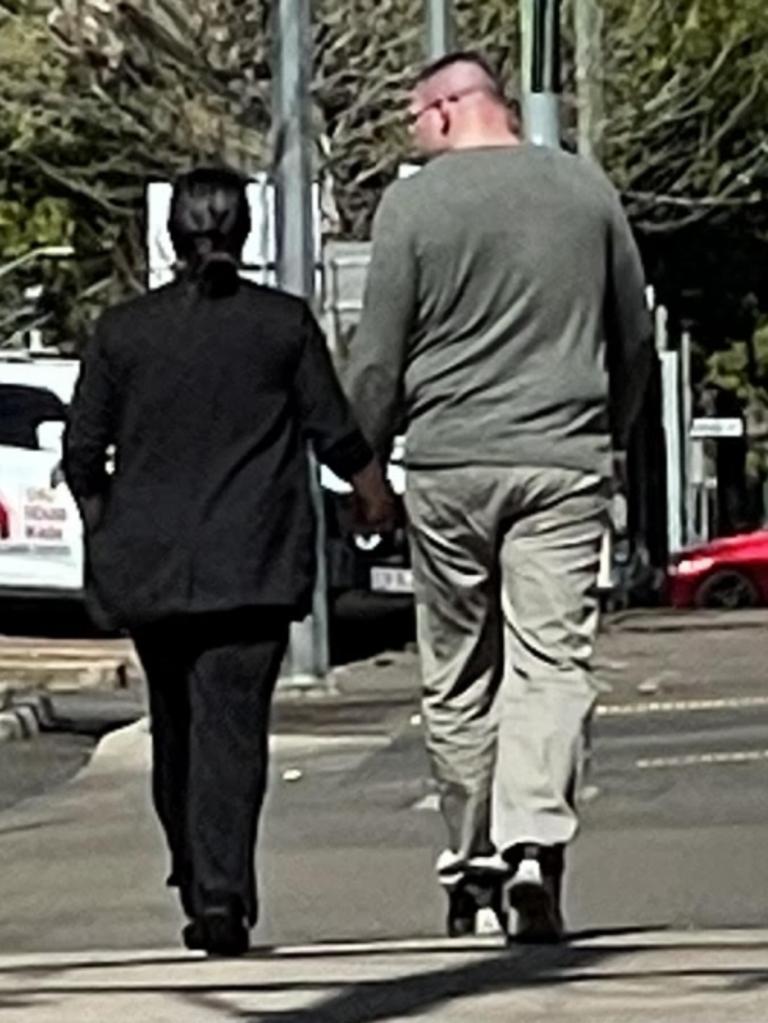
{"points": [[463, 57], [209, 223]]}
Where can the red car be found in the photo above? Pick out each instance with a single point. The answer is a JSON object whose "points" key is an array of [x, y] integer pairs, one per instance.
{"points": [[729, 572]]}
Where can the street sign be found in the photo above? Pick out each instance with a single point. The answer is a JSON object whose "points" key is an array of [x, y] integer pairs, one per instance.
{"points": [[718, 427]]}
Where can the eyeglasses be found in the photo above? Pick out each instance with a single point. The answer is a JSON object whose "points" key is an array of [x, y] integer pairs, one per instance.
{"points": [[414, 116]]}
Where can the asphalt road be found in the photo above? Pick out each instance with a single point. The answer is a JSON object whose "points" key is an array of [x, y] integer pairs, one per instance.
{"points": [[675, 818], [29, 769], [675, 826]]}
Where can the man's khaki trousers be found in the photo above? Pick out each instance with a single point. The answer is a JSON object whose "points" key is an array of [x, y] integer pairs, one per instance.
{"points": [[505, 570]]}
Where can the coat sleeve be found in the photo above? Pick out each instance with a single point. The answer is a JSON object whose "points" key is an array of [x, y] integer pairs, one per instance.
{"points": [[92, 420], [628, 326], [325, 415], [377, 359]]}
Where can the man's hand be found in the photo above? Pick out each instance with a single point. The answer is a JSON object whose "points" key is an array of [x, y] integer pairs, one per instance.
{"points": [[374, 500]]}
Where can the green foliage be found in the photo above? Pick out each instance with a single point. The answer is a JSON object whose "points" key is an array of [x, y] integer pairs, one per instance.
{"points": [[742, 369], [687, 99], [98, 96]]}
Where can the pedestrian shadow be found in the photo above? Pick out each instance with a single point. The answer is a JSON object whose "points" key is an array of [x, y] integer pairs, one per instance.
{"points": [[404, 992], [401, 996]]}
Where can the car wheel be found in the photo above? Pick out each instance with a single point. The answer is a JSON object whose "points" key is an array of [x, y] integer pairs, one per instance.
{"points": [[727, 590]]}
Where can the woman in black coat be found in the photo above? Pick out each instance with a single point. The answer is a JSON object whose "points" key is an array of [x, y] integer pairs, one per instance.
{"points": [[200, 541]]}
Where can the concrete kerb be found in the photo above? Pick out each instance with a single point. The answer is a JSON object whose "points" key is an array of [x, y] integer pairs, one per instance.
{"points": [[11, 727], [25, 716], [125, 749], [645, 620], [36, 664], [65, 674]]}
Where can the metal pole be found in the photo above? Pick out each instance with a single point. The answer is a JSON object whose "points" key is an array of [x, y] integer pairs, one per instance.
{"points": [[540, 27], [308, 649], [670, 370], [295, 256], [686, 411], [440, 28]]}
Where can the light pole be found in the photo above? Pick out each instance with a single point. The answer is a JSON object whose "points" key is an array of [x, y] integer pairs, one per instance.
{"points": [[440, 28], [540, 29], [307, 660]]}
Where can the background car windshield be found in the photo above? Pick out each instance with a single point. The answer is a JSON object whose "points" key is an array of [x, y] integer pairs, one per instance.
{"points": [[22, 410]]}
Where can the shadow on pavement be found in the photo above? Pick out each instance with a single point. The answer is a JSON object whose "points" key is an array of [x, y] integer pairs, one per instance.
{"points": [[394, 997], [369, 1001]]}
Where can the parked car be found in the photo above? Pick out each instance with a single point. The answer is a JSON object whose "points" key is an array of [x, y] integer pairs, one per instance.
{"points": [[359, 563], [41, 544], [729, 572]]}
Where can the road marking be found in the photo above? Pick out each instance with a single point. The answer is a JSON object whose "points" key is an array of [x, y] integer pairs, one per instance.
{"points": [[703, 759], [289, 742], [679, 706], [430, 803]]}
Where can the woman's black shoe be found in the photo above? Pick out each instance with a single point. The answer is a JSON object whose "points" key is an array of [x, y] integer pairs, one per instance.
{"points": [[193, 936], [219, 931]]}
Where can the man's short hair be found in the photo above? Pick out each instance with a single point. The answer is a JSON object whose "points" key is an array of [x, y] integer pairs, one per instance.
{"points": [[463, 57]]}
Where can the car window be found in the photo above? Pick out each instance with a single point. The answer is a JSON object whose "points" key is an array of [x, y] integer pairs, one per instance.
{"points": [[23, 409]]}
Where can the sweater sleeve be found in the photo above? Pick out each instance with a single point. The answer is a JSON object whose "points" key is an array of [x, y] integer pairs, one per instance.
{"points": [[326, 418], [378, 354], [628, 325]]}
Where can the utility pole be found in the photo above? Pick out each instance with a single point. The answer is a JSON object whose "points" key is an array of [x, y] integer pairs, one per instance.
{"points": [[686, 413], [308, 649], [540, 28], [588, 29], [440, 28]]}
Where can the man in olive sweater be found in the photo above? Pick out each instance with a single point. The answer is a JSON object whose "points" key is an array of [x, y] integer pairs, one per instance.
{"points": [[505, 325]]}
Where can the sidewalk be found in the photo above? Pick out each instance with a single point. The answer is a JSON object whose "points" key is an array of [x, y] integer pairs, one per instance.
{"points": [[100, 826], [720, 977], [81, 873]]}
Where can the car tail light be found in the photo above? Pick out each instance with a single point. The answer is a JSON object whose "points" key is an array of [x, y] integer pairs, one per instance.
{"points": [[5, 525], [693, 566]]}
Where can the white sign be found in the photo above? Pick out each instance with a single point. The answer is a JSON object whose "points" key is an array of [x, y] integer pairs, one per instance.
{"points": [[718, 427]]}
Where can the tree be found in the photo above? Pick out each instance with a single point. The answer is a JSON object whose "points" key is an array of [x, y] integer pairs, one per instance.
{"points": [[687, 93], [96, 102], [741, 369], [104, 94]]}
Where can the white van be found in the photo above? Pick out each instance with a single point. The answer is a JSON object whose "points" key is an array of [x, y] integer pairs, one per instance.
{"points": [[41, 537]]}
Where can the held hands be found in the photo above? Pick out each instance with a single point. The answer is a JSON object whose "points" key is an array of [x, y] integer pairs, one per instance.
{"points": [[375, 509]]}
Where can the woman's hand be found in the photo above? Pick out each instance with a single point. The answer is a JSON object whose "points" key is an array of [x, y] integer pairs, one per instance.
{"points": [[375, 508]]}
